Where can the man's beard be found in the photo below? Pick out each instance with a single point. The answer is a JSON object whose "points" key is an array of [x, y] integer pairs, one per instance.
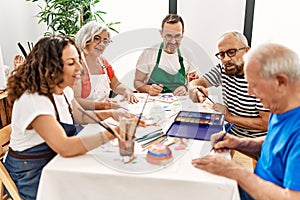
{"points": [[172, 49], [237, 71]]}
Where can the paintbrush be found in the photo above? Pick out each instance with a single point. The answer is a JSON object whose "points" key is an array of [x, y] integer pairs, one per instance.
{"points": [[150, 136], [158, 140], [139, 119], [22, 49], [104, 125], [153, 140], [222, 136], [29, 47], [205, 95]]}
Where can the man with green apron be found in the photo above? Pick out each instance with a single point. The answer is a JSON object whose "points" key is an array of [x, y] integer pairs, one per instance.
{"points": [[163, 69]]}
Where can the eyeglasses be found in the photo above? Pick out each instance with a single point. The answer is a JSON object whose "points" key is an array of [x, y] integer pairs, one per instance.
{"points": [[229, 53], [169, 37], [98, 40]]}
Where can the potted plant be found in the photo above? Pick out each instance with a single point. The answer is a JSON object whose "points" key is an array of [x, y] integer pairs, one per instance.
{"points": [[67, 16]]}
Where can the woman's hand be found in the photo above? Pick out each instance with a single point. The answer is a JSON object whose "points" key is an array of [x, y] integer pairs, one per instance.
{"points": [[129, 95], [108, 105], [119, 114]]}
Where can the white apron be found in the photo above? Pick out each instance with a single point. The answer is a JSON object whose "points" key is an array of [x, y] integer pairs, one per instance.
{"points": [[100, 85]]}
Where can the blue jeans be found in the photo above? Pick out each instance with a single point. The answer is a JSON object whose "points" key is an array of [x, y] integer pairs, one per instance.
{"points": [[244, 195], [26, 173]]}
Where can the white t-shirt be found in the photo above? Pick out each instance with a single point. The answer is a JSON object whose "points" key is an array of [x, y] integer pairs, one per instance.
{"points": [[27, 108], [168, 62]]}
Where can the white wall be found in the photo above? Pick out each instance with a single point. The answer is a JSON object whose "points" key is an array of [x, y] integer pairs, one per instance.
{"points": [[205, 21], [139, 29], [18, 24], [277, 21], [135, 14]]}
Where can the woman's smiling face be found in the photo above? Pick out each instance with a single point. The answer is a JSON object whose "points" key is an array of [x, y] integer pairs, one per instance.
{"points": [[98, 44], [72, 66]]}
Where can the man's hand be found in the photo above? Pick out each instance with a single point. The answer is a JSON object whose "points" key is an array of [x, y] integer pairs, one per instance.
{"points": [[216, 164], [228, 142], [222, 109], [196, 96], [155, 90], [180, 91]]}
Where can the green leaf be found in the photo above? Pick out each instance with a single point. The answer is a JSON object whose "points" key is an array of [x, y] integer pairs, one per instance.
{"points": [[64, 16]]}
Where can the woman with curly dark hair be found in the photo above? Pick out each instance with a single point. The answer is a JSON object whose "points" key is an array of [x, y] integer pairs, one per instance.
{"points": [[44, 112]]}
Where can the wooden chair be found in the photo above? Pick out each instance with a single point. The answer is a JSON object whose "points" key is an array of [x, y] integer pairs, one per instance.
{"points": [[5, 179]]}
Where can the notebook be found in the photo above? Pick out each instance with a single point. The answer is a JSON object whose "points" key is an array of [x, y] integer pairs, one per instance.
{"points": [[196, 125]]}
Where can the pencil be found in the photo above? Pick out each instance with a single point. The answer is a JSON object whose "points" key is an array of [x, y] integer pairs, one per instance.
{"points": [[205, 95]]}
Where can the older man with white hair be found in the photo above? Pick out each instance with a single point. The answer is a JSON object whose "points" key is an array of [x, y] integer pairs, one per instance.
{"points": [[273, 75]]}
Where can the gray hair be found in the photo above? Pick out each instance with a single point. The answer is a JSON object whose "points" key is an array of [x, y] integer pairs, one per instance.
{"points": [[239, 36], [275, 58], [87, 33]]}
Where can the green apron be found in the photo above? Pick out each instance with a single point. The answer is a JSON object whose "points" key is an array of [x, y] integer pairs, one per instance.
{"points": [[170, 82]]}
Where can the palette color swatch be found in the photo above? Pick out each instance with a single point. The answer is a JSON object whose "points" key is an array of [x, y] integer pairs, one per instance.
{"points": [[200, 118]]}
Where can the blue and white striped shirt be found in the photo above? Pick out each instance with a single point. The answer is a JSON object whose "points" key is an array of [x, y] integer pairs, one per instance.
{"points": [[236, 98]]}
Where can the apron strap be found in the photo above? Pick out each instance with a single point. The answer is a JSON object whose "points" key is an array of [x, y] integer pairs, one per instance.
{"points": [[70, 108], [53, 102], [56, 111], [180, 58], [159, 54]]}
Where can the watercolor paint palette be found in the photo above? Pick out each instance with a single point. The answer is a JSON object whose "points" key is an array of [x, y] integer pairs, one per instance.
{"points": [[196, 125]]}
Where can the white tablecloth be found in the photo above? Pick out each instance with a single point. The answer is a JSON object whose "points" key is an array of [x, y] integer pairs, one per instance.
{"points": [[100, 174]]}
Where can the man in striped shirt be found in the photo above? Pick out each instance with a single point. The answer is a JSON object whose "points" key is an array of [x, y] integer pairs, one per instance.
{"points": [[240, 108]]}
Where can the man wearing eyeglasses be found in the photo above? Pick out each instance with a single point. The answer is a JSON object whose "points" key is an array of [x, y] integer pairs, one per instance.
{"points": [[240, 108], [164, 68], [273, 73]]}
